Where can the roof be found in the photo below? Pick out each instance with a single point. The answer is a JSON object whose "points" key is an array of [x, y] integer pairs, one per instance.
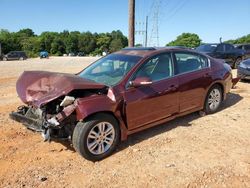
{"points": [[144, 51]]}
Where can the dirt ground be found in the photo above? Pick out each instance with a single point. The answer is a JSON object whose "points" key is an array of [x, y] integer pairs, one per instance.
{"points": [[192, 151]]}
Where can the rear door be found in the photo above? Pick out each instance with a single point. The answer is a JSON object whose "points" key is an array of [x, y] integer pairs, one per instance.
{"points": [[194, 77]]}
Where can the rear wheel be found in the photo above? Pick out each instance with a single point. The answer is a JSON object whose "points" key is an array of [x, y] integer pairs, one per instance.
{"points": [[96, 138], [5, 59], [213, 99], [21, 58]]}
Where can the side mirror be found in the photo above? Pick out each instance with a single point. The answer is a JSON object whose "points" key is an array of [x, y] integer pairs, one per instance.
{"points": [[140, 81]]}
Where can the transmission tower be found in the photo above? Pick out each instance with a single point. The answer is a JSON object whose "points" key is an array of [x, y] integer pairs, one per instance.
{"points": [[154, 37]]}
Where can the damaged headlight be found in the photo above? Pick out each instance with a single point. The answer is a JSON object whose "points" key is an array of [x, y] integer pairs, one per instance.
{"points": [[68, 100]]}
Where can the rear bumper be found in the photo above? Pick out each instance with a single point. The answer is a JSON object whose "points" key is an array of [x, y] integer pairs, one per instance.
{"points": [[30, 123]]}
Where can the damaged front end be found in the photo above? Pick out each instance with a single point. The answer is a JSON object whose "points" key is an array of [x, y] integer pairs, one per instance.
{"points": [[54, 122], [51, 100]]}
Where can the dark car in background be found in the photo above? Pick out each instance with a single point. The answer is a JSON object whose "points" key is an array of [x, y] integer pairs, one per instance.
{"points": [[244, 70], [15, 55], [233, 56], [80, 54], [245, 47], [44, 54], [120, 94]]}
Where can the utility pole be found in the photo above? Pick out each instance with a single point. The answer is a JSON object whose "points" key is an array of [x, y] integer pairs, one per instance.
{"points": [[131, 23]]}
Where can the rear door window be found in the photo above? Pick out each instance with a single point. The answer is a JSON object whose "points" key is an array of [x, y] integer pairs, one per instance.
{"points": [[188, 62]]}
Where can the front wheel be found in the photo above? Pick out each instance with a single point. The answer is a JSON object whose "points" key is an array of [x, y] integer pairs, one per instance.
{"points": [[21, 58], [213, 99], [5, 59], [96, 138]]}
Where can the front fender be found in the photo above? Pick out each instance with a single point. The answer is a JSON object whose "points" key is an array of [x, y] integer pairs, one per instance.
{"points": [[93, 104], [101, 103]]}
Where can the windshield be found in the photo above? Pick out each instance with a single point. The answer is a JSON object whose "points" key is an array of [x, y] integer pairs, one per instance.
{"points": [[206, 48], [111, 69]]}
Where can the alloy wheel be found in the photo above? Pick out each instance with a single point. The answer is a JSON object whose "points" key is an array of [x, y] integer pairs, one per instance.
{"points": [[214, 99], [100, 138]]}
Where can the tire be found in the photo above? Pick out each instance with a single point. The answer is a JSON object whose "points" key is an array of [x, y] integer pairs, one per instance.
{"points": [[21, 58], [88, 141], [5, 59], [237, 62], [213, 99]]}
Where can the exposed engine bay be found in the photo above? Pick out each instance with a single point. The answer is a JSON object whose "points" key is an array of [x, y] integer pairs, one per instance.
{"points": [[56, 119]]}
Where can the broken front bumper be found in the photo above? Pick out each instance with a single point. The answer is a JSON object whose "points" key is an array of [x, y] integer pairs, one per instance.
{"points": [[29, 118], [51, 126], [30, 123], [34, 120]]}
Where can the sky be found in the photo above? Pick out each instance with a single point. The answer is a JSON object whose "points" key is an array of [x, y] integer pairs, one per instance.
{"points": [[210, 19]]}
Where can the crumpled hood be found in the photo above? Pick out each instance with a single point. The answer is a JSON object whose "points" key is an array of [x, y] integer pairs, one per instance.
{"points": [[40, 87]]}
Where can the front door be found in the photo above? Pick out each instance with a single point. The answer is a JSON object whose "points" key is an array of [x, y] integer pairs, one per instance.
{"points": [[150, 103]]}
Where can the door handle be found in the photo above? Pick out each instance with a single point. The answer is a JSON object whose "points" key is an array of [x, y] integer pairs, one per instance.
{"points": [[169, 89]]}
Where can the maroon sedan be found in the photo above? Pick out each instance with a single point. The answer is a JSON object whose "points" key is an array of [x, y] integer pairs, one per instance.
{"points": [[120, 94]]}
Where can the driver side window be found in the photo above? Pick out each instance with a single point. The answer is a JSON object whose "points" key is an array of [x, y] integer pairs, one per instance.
{"points": [[158, 68]]}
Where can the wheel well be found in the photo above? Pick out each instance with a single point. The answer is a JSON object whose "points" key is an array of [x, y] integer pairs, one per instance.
{"points": [[102, 112]]}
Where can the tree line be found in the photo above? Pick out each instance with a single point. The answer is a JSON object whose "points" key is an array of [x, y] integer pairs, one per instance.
{"points": [[192, 40], [59, 43]]}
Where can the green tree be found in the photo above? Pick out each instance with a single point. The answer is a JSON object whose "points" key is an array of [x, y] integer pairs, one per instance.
{"points": [[87, 42], [138, 45], [31, 46], [46, 39], [5, 40], [103, 41], [26, 33], [242, 40], [58, 46], [59, 43], [189, 40], [71, 42], [115, 45]]}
